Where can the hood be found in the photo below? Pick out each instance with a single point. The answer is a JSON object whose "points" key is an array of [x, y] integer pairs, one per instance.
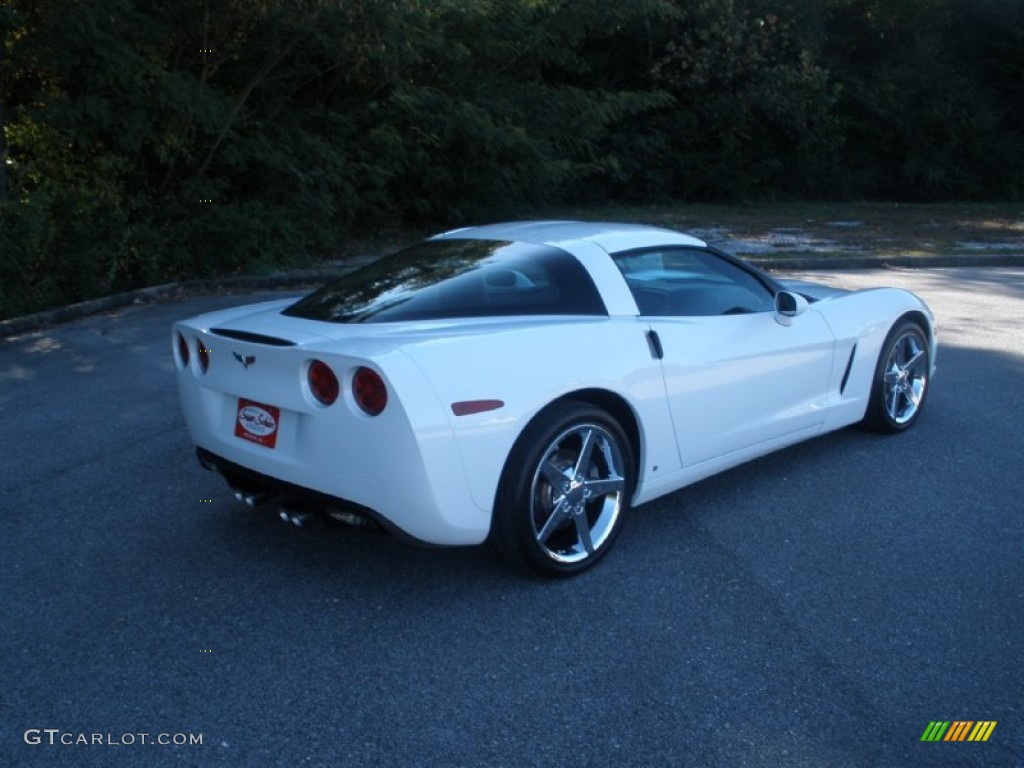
{"points": [[811, 291]]}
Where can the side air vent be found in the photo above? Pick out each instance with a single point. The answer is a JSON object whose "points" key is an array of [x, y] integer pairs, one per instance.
{"points": [[255, 338], [846, 373]]}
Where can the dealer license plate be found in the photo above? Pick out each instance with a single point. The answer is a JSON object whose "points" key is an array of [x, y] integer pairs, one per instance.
{"points": [[257, 422]]}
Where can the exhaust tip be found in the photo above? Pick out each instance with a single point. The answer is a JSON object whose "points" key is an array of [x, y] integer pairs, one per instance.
{"points": [[250, 498], [348, 518], [208, 465], [298, 518]]}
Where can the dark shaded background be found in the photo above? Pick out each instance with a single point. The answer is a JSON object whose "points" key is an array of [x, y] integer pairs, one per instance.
{"points": [[149, 141]]}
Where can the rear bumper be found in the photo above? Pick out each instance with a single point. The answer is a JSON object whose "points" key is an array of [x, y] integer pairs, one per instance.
{"points": [[252, 482]]}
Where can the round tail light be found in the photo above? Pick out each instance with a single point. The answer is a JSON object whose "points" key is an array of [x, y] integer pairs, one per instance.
{"points": [[183, 351], [370, 393], [323, 383], [203, 357]]}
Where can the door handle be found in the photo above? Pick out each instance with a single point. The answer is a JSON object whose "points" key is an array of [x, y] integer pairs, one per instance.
{"points": [[654, 342]]}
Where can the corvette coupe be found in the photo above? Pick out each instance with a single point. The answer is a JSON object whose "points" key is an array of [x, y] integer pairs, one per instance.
{"points": [[529, 383]]}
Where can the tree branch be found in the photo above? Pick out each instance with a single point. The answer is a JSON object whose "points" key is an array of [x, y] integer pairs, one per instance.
{"points": [[257, 79]]}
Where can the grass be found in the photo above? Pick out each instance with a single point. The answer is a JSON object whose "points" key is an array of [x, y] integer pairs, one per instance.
{"points": [[824, 230], [774, 230]]}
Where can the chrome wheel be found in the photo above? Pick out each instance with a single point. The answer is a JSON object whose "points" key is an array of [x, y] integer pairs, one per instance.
{"points": [[905, 377], [901, 379], [577, 493], [565, 490]]}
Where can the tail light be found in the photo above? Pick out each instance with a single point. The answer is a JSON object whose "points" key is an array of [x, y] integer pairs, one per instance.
{"points": [[203, 357], [323, 383], [369, 390], [183, 350]]}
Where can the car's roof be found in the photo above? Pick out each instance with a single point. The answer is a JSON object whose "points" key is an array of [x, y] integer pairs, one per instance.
{"points": [[610, 236]]}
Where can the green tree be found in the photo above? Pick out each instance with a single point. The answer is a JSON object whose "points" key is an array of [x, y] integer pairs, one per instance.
{"points": [[755, 107], [147, 140], [918, 108]]}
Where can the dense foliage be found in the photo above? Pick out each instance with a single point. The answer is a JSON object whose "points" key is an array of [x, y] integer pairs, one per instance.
{"points": [[146, 140]]}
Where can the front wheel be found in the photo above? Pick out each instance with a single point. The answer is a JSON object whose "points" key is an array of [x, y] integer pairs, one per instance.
{"points": [[901, 380], [565, 490]]}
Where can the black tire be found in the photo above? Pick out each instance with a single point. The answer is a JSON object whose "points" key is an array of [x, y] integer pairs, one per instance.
{"points": [[550, 504], [901, 378]]}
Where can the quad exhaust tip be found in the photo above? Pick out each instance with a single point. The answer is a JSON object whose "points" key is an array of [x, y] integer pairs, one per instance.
{"points": [[297, 514]]}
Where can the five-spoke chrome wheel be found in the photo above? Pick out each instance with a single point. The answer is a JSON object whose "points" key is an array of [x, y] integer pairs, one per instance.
{"points": [[901, 379], [906, 376], [565, 490], [577, 493]]}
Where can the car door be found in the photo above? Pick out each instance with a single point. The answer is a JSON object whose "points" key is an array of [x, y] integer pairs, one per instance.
{"points": [[735, 377]]}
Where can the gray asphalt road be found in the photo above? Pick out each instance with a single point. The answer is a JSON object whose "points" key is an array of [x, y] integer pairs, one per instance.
{"points": [[815, 608]]}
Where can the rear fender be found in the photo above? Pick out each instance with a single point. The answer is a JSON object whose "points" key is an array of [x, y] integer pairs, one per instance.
{"points": [[526, 370]]}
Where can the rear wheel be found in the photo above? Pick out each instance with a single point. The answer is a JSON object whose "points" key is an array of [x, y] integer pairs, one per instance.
{"points": [[565, 490], [901, 380]]}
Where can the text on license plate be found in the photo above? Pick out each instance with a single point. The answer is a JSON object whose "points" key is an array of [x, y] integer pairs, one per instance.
{"points": [[257, 422]]}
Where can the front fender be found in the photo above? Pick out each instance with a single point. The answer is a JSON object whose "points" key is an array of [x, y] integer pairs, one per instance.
{"points": [[860, 321]]}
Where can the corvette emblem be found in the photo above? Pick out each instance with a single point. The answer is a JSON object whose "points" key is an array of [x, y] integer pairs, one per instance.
{"points": [[245, 361]]}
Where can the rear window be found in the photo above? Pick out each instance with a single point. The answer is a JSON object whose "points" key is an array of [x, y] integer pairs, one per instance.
{"points": [[441, 279]]}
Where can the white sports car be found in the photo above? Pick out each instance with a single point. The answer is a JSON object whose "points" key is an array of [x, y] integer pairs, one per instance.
{"points": [[528, 383]]}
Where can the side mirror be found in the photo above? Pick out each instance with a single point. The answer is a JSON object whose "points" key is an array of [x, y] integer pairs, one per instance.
{"points": [[789, 305]]}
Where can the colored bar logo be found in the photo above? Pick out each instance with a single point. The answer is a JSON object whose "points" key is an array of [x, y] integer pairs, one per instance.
{"points": [[959, 730]]}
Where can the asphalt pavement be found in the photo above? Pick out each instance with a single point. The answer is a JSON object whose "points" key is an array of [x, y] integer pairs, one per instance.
{"points": [[818, 607]]}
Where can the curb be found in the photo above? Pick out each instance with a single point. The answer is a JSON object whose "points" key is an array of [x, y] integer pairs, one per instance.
{"points": [[894, 261], [17, 326]]}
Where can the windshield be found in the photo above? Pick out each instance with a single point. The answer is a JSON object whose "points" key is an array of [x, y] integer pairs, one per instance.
{"points": [[441, 279]]}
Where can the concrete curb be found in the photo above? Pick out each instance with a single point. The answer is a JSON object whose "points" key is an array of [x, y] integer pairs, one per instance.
{"points": [[17, 326], [893, 261]]}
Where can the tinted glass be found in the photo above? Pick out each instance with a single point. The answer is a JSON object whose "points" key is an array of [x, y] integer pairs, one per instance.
{"points": [[680, 282], [442, 279]]}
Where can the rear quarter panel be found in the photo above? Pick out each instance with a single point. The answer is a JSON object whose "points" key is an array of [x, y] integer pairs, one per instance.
{"points": [[529, 365]]}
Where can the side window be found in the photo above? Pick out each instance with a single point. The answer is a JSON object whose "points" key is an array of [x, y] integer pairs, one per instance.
{"points": [[681, 282]]}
